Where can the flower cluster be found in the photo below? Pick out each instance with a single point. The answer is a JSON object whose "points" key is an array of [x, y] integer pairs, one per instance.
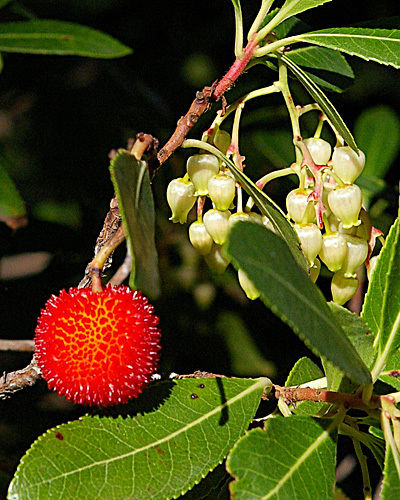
{"points": [[327, 214], [325, 210]]}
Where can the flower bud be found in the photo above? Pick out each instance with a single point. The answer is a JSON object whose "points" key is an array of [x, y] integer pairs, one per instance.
{"points": [[299, 209], [347, 164], [217, 225], [333, 251], [315, 270], [319, 149], [181, 198], [216, 260], [247, 285], [345, 202], [236, 217], [357, 251], [222, 140], [200, 238], [222, 190], [343, 289], [311, 240], [201, 168]]}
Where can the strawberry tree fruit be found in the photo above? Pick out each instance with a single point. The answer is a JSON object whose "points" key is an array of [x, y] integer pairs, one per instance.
{"points": [[97, 348], [347, 164], [222, 190], [247, 285], [299, 208], [217, 225], [181, 199], [319, 149], [342, 288], [200, 238], [201, 168], [311, 240], [345, 202], [333, 251]]}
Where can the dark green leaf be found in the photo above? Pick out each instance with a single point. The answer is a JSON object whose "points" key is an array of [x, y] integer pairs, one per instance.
{"points": [[4, 3], [379, 45], [291, 8], [132, 186], [360, 336], [382, 302], [304, 371], [293, 458], [157, 455], [59, 38], [391, 477], [288, 291], [11, 204], [326, 105]]}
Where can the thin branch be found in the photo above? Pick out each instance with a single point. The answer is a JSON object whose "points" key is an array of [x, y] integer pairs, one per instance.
{"points": [[15, 381], [17, 345], [203, 101]]}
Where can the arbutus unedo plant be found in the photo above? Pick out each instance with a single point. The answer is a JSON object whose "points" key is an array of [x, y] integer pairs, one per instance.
{"points": [[205, 435]]}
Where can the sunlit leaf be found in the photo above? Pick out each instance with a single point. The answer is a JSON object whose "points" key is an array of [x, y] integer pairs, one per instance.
{"points": [[304, 371], [132, 186], [158, 455], [291, 8], [382, 302], [379, 45], [391, 477], [59, 38], [293, 457], [288, 291]]}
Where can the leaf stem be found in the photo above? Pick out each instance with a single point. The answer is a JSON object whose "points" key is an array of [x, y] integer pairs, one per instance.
{"points": [[238, 31], [265, 6]]}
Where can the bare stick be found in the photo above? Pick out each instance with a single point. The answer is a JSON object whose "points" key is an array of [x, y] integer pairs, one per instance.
{"points": [[17, 345], [203, 101], [15, 381]]}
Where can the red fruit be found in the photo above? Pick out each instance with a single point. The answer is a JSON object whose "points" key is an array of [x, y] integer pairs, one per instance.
{"points": [[97, 348]]}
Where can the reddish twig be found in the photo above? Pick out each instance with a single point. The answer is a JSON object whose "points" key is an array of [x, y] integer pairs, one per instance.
{"points": [[294, 395], [203, 101]]}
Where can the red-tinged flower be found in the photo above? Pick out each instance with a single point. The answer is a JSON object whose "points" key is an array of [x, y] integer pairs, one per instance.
{"points": [[97, 348]]}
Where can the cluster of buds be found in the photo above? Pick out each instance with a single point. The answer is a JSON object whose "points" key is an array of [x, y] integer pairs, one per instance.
{"points": [[328, 216], [206, 179]]}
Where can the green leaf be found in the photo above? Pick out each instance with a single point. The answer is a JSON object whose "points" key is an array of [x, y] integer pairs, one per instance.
{"points": [[291, 8], [293, 457], [325, 104], [359, 334], [59, 38], [288, 291], [382, 302], [157, 455], [304, 371], [271, 210], [391, 477], [11, 204], [326, 67], [379, 45], [372, 129], [131, 182], [3, 3]]}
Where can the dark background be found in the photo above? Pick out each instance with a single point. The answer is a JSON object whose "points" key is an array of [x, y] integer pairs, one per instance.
{"points": [[60, 117]]}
